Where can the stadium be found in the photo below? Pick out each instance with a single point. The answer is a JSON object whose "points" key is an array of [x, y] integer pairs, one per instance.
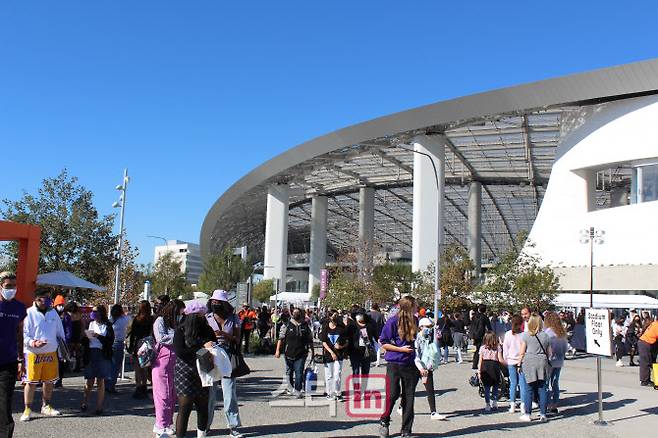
{"points": [[553, 157]]}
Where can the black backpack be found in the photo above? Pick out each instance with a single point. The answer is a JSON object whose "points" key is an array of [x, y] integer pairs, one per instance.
{"points": [[296, 340]]}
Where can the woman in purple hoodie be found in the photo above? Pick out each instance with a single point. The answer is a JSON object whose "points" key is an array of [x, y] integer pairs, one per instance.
{"points": [[397, 339]]}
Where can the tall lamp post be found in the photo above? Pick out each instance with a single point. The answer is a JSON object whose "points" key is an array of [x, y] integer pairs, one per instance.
{"points": [[437, 265], [593, 236], [122, 204]]}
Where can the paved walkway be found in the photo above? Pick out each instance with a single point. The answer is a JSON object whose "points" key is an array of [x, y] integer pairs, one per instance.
{"points": [[632, 409]]}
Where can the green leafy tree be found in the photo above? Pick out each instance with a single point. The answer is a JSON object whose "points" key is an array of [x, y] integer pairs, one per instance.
{"points": [[456, 285], [518, 280], [168, 277], [344, 291], [224, 270], [74, 237], [391, 281], [263, 290]]}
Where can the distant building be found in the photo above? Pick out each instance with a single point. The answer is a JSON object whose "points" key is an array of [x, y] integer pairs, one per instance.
{"points": [[187, 253]]}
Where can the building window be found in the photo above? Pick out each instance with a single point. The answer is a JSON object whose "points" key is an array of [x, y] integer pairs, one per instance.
{"points": [[644, 187]]}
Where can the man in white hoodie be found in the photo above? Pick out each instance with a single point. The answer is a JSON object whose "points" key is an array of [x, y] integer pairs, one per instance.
{"points": [[41, 330]]}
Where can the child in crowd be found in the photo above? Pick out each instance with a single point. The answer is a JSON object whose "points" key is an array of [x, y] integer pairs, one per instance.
{"points": [[491, 356]]}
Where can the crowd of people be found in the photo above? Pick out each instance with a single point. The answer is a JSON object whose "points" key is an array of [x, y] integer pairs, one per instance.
{"points": [[521, 354]]}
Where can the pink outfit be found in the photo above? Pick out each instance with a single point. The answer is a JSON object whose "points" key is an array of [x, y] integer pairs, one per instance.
{"points": [[512, 348], [487, 354], [164, 394]]}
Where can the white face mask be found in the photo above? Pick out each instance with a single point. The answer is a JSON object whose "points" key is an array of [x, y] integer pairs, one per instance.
{"points": [[8, 294]]}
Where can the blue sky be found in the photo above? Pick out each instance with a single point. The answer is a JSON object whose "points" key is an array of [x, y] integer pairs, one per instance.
{"points": [[189, 96]]}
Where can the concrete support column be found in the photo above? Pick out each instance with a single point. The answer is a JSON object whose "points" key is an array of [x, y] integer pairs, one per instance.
{"points": [[276, 234], [318, 256], [428, 207], [475, 226], [366, 228]]}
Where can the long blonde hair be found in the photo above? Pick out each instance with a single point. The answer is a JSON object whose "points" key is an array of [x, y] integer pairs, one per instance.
{"points": [[552, 321], [535, 325], [407, 328]]}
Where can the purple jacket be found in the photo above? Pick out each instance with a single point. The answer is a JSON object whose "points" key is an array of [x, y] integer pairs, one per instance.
{"points": [[390, 336]]}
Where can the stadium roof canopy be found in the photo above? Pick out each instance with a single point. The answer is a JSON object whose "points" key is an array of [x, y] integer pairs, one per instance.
{"points": [[506, 139]]}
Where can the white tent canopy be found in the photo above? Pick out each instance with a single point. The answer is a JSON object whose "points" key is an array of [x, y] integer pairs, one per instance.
{"points": [[606, 301], [66, 280], [292, 297]]}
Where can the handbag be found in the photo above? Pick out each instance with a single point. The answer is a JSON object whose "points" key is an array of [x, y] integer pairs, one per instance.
{"points": [[239, 366], [206, 360]]}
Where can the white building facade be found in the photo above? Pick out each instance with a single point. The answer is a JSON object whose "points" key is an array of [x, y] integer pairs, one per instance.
{"points": [[187, 253]]}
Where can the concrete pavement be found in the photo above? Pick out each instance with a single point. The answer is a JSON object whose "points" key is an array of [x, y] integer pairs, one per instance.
{"points": [[631, 409]]}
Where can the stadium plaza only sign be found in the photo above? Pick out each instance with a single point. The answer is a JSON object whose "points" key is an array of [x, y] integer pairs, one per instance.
{"points": [[598, 332]]}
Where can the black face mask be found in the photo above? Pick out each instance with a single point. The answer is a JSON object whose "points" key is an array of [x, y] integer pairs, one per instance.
{"points": [[219, 310]]}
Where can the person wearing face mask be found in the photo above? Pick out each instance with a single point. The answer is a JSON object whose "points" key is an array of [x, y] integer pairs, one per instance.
{"points": [[164, 394], [12, 314], [41, 329], [67, 323], [225, 323], [334, 343], [98, 366], [296, 339], [362, 338]]}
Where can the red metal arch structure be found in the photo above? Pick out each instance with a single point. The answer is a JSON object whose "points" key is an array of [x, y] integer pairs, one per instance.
{"points": [[28, 238]]}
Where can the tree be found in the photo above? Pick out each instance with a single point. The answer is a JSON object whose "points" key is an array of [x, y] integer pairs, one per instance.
{"points": [[263, 290], [519, 280], [391, 281], [224, 270], [167, 276], [131, 284], [344, 291], [73, 236]]}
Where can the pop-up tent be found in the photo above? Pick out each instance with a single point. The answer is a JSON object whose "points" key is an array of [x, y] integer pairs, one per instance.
{"points": [[66, 280], [605, 301]]}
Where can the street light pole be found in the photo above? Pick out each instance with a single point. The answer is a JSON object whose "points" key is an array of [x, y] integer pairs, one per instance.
{"points": [[121, 203], [593, 236], [437, 264]]}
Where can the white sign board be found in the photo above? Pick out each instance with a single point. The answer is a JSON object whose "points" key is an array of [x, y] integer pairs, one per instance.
{"points": [[598, 332]]}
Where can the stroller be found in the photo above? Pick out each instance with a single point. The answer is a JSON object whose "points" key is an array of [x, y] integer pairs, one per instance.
{"points": [[503, 389]]}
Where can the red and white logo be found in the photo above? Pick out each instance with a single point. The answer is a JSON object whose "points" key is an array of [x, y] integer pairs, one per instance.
{"points": [[366, 395]]}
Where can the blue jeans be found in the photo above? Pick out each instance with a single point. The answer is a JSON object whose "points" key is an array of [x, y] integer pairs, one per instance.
{"points": [[554, 382], [117, 361], [540, 387], [445, 351], [516, 378], [295, 369], [231, 410], [487, 390]]}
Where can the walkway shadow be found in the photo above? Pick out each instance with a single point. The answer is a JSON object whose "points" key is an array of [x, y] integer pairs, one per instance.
{"points": [[304, 427]]}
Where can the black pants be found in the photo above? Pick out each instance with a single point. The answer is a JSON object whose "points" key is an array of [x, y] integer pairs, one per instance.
{"points": [[407, 376], [7, 381], [185, 405], [647, 356], [476, 355], [429, 388], [619, 347], [246, 334]]}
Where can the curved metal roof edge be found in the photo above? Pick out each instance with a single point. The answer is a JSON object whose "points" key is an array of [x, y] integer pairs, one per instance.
{"points": [[608, 82]]}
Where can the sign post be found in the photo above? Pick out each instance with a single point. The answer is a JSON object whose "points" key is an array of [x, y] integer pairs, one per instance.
{"points": [[599, 342]]}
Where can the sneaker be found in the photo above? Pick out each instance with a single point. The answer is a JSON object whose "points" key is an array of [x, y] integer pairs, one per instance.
{"points": [[27, 415], [49, 411], [383, 430], [330, 397], [460, 361], [512, 408], [535, 405], [235, 434], [543, 419], [298, 394], [399, 410], [526, 418], [522, 408], [437, 416], [494, 404], [487, 408], [619, 363], [553, 411]]}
